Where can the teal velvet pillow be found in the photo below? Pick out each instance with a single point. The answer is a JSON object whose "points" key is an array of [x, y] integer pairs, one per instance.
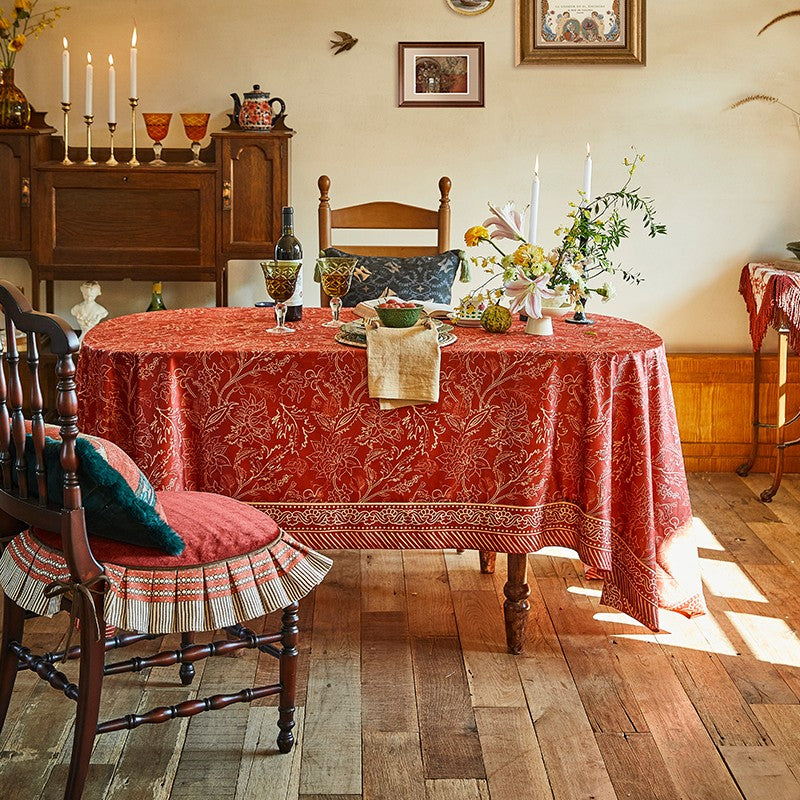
{"points": [[119, 502]]}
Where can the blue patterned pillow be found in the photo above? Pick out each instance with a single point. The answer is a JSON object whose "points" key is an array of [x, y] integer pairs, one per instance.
{"points": [[418, 277]]}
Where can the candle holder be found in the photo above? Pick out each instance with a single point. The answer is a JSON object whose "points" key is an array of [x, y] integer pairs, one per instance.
{"points": [[65, 107], [580, 317], [89, 119], [134, 101], [112, 162]]}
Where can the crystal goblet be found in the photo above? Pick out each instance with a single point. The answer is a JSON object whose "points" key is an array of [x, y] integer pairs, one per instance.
{"points": [[157, 125], [335, 275], [195, 125], [280, 278]]}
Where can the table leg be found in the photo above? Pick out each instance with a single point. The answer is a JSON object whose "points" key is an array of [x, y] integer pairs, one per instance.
{"points": [[516, 606], [488, 559], [780, 422], [744, 469]]}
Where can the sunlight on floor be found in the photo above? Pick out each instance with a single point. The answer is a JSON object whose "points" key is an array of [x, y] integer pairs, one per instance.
{"points": [[769, 638]]}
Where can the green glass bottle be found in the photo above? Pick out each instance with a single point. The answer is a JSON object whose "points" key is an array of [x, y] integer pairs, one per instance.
{"points": [[156, 300]]}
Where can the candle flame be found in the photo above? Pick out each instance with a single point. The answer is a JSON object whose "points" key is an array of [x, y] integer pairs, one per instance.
{"points": [[66, 43], [133, 37], [588, 150], [536, 167], [110, 60], [88, 58]]}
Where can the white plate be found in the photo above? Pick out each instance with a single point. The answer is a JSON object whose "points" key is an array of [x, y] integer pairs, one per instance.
{"points": [[465, 322]]}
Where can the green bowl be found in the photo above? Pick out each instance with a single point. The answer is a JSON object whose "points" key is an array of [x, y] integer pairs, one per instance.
{"points": [[794, 247], [399, 317]]}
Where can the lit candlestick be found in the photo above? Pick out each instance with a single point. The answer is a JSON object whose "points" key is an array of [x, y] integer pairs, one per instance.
{"points": [[112, 90], [133, 64], [65, 72], [587, 175], [89, 81], [533, 229]]}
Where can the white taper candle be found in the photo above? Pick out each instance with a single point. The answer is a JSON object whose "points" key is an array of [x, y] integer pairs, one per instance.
{"points": [[134, 54], [89, 84], [533, 225], [112, 90], [65, 72]]}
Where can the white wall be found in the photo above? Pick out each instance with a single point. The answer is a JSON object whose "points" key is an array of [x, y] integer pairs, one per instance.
{"points": [[725, 182]]}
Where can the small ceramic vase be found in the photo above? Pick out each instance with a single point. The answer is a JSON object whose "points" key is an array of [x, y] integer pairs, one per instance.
{"points": [[543, 326]]}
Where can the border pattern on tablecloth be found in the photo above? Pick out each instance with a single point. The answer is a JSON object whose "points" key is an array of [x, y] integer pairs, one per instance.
{"points": [[629, 582]]}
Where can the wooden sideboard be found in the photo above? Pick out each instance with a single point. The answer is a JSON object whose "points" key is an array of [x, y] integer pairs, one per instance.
{"points": [[176, 222]]}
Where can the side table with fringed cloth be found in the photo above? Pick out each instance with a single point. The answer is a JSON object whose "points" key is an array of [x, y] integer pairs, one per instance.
{"points": [[564, 440], [771, 293]]}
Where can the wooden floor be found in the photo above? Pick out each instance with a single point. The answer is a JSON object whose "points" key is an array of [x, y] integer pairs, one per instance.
{"points": [[407, 692]]}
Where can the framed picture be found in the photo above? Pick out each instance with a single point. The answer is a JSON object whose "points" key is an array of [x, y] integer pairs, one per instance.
{"points": [[440, 74], [470, 6], [581, 31]]}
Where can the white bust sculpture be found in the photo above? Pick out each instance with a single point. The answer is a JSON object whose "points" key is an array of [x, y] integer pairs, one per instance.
{"points": [[89, 312]]}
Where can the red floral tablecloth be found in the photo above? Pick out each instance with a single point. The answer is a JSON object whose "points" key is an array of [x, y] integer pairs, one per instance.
{"points": [[771, 295], [565, 440]]}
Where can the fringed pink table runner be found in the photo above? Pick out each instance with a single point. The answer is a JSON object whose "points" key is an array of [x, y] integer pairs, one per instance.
{"points": [[770, 294]]}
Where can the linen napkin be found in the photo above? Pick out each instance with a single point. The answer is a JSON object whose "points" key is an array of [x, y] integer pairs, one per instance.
{"points": [[403, 365]]}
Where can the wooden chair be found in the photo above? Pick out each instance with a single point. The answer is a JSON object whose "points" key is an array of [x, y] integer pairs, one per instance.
{"points": [[383, 216], [54, 558]]}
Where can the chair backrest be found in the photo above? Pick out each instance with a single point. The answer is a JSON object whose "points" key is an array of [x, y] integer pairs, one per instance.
{"points": [[385, 216], [23, 505]]}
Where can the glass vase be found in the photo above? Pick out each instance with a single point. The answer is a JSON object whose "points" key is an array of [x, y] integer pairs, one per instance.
{"points": [[14, 109]]}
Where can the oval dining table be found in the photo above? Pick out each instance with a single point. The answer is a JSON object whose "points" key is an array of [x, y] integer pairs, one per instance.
{"points": [[567, 440]]}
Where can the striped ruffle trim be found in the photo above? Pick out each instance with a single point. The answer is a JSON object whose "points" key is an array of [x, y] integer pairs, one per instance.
{"points": [[162, 600]]}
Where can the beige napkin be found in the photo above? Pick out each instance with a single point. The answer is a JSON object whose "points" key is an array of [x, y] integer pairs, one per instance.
{"points": [[403, 365]]}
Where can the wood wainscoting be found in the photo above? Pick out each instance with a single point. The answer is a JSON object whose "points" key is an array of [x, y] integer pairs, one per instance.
{"points": [[713, 400]]}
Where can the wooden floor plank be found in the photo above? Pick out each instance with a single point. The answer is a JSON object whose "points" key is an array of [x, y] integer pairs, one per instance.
{"points": [[393, 766], [265, 773], [428, 599], [762, 773], [782, 723], [382, 580], [337, 609], [491, 669], [511, 754], [387, 675], [450, 745], [445, 789], [635, 766], [331, 762]]}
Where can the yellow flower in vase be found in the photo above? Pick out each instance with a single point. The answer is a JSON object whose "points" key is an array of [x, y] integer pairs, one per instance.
{"points": [[17, 43], [475, 235]]}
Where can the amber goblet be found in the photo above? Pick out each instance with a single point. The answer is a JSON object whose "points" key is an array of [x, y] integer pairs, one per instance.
{"points": [[157, 125], [280, 278], [336, 275], [195, 125]]}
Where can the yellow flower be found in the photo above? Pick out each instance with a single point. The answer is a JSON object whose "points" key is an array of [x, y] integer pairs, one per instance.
{"points": [[22, 5], [528, 254], [16, 43], [475, 235], [5, 25]]}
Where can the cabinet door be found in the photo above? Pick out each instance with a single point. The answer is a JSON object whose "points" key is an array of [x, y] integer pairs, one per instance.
{"points": [[255, 187], [117, 222], [15, 212]]}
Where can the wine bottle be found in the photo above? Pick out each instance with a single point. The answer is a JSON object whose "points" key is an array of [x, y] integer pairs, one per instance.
{"points": [[288, 248], [156, 300]]}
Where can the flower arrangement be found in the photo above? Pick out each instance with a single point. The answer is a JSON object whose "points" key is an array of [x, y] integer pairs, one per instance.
{"points": [[567, 274], [21, 22]]}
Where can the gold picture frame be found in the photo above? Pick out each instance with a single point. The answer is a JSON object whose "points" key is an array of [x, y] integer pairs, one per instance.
{"points": [[469, 7], [580, 31]]}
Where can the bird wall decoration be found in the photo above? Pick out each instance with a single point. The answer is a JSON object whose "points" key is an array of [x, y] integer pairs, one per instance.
{"points": [[344, 42]]}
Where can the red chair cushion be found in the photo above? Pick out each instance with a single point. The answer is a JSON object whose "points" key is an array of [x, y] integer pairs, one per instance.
{"points": [[214, 528]]}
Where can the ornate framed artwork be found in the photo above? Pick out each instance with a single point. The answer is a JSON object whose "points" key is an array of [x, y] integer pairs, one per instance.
{"points": [[581, 31], [470, 7], [440, 74]]}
